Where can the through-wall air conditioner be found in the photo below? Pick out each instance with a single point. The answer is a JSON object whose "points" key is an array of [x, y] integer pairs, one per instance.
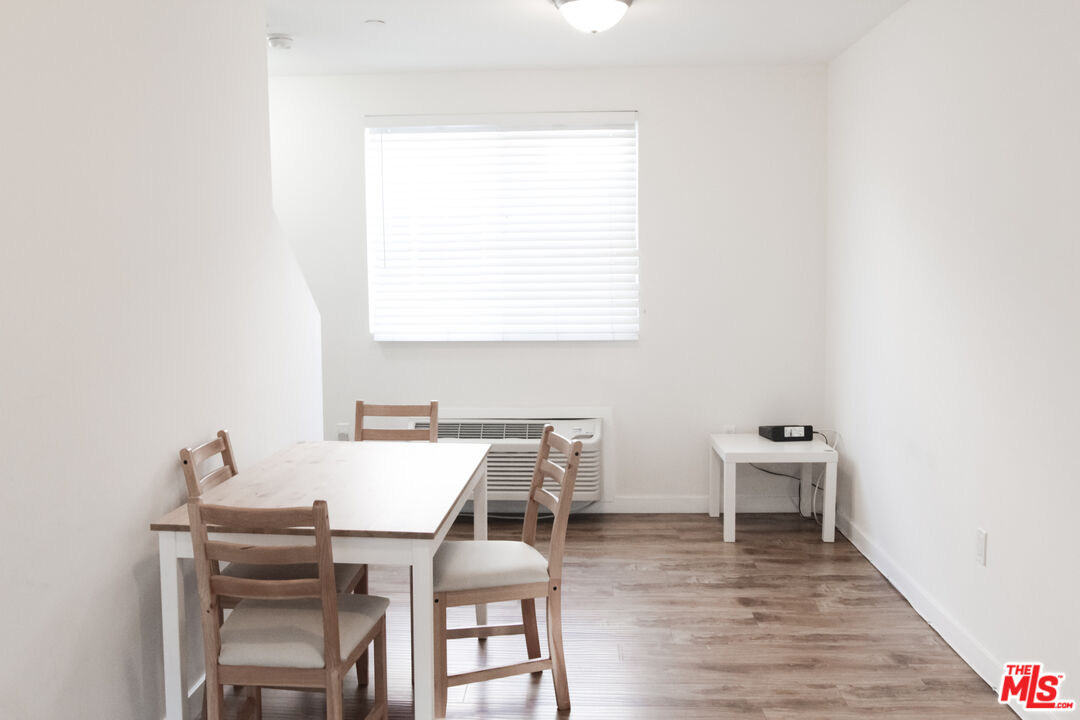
{"points": [[514, 444]]}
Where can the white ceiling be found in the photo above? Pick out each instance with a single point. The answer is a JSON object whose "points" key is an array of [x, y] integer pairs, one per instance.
{"points": [[331, 36]]}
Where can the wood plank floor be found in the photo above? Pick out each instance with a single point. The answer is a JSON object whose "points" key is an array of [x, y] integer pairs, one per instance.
{"points": [[663, 621]]}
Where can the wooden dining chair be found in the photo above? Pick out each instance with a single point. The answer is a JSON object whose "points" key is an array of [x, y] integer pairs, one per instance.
{"points": [[430, 411], [286, 633], [486, 571], [350, 577], [429, 434]]}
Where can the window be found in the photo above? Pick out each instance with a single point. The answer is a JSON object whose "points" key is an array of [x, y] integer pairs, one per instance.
{"points": [[517, 227]]}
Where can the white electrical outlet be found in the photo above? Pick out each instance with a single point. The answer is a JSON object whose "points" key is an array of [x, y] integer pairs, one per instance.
{"points": [[343, 431], [980, 546], [729, 429]]}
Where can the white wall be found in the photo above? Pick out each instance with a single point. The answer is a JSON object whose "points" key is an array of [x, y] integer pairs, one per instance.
{"points": [[732, 175], [953, 336], [146, 300]]}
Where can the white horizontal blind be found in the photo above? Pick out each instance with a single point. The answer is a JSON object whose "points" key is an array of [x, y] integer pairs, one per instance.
{"points": [[520, 228]]}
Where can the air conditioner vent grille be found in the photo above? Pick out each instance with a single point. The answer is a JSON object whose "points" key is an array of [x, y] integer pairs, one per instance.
{"points": [[487, 430], [514, 443], [512, 471]]}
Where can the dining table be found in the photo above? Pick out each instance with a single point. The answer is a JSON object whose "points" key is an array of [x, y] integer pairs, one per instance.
{"points": [[390, 503]]}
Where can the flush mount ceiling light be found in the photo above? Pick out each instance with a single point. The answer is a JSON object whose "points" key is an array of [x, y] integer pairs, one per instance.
{"points": [[279, 41], [592, 16]]}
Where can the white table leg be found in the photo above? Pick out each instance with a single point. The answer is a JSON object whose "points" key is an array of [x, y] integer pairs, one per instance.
{"points": [[729, 502], [423, 592], [828, 513], [806, 494], [714, 483], [172, 627], [480, 527]]}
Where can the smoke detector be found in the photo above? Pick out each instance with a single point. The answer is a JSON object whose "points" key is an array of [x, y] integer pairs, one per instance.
{"points": [[279, 41]]}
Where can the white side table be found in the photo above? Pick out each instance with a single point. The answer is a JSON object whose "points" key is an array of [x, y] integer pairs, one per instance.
{"points": [[734, 448]]}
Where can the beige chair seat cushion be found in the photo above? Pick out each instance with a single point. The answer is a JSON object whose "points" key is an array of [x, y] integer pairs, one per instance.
{"points": [[476, 564], [289, 633], [344, 574]]}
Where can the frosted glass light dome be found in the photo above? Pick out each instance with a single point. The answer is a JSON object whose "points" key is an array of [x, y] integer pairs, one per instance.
{"points": [[593, 16]]}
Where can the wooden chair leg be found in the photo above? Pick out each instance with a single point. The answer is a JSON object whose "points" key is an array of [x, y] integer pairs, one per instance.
{"points": [[362, 663], [215, 699], [252, 707], [380, 710], [440, 655], [334, 697], [532, 635], [412, 634], [362, 670], [555, 648], [381, 698]]}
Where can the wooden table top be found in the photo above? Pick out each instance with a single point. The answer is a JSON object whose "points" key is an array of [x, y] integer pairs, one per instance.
{"points": [[372, 489], [751, 447]]}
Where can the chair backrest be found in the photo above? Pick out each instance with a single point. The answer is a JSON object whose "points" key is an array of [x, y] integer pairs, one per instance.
{"points": [[209, 554], [193, 457], [430, 411], [559, 506]]}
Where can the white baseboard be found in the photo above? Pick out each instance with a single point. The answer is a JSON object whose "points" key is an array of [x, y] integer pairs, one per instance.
{"points": [[692, 504], [949, 628], [650, 504]]}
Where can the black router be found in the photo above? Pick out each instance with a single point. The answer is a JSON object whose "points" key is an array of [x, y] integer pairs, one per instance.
{"points": [[786, 433]]}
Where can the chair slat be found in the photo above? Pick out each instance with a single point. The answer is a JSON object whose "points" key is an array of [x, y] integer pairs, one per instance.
{"points": [[397, 410], [249, 588], [546, 499], [256, 519], [395, 435], [552, 470], [560, 443], [215, 478], [260, 555], [206, 450]]}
